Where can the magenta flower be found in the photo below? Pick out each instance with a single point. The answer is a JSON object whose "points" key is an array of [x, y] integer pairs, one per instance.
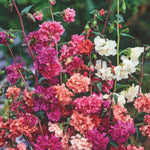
{"points": [[51, 31], [120, 132], [12, 72], [38, 15], [47, 64], [68, 15], [98, 140]]}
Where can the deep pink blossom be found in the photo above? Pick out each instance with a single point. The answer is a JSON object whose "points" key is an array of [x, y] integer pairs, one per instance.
{"points": [[121, 132], [12, 72], [98, 140], [68, 15], [47, 63], [87, 105], [51, 31], [38, 15], [107, 85]]}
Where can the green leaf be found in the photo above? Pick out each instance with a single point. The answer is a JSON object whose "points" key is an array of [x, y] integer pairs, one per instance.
{"points": [[96, 33], [40, 114], [26, 9], [99, 17], [7, 132], [115, 98], [113, 144], [84, 33], [18, 81], [93, 12], [120, 18], [22, 110], [99, 85], [127, 35]]}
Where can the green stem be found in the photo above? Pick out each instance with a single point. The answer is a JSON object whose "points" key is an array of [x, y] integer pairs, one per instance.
{"points": [[118, 42]]}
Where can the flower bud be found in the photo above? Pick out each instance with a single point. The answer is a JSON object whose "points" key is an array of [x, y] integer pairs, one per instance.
{"points": [[147, 55], [12, 35], [87, 27], [94, 56], [2, 72], [52, 2], [11, 41], [1, 92], [123, 7], [94, 23], [30, 17], [102, 12], [111, 28], [22, 85], [5, 118], [10, 6], [10, 101], [65, 78]]}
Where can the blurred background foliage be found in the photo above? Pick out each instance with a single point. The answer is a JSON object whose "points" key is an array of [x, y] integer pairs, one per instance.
{"points": [[136, 19]]}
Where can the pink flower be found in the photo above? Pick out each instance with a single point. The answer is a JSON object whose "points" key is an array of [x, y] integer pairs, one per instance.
{"points": [[63, 94], [107, 86], [51, 31], [38, 15], [87, 105], [52, 2], [133, 147], [81, 123], [27, 97], [4, 37], [21, 146], [47, 63], [146, 129], [53, 127], [142, 103], [120, 114], [80, 143], [78, 83], [68, 15], [12, 72]]}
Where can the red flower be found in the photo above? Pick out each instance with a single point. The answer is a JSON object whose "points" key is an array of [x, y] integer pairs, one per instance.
{"points": [[86, 47], [102, 12]]}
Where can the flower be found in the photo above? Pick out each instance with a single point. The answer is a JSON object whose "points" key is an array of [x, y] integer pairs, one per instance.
{"points": [[105, 47], [47, 63], [130, 93], [98, 140], [63, 94], [120, 114], [78, 83], [13, 92], [27, 97], [46, 142], [80, 143], [51, 31], [38, 15], [145, 129], [53, 127], [142, 103], [81, 123], [102, 12], [68, 15], [133, 147], [86, 47], [106, 86], [88, 105], [120, 132], [12, 72]]}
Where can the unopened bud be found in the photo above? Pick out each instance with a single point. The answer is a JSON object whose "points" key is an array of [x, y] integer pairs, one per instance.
{"points": [[65, 78], [125, 30], [1, 92], [87, 27], [52, 2], [94, 56], [147, 55], [94, 23], [10, 6], [30, 17], [12, 35], [11, 41], [2, 72], [124, 7], [22, 85], [10, 101], [111, 28]]}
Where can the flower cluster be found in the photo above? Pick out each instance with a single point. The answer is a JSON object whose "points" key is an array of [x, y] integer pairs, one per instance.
{"points": [[68, 15]]}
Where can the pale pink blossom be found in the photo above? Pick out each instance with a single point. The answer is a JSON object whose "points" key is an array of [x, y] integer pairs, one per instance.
{"points": [[68, 15]]}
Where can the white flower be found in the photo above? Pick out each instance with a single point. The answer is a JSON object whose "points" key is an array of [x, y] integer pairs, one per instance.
{"points": [[105, 47], [130, 93], [120, 99], [103, 72], [135, 54], [130, 66], [121, 72]]}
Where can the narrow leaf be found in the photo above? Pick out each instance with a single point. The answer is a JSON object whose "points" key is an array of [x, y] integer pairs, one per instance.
{"points": [[26, 9], [113, 144], [127, 35], [115, 98], [99, 85]]}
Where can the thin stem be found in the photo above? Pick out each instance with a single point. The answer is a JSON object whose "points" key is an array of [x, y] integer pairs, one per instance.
{"points": [[21, 22], [107, 17], [90, 75], [118, 42], [50, 8], [16, 65]]}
